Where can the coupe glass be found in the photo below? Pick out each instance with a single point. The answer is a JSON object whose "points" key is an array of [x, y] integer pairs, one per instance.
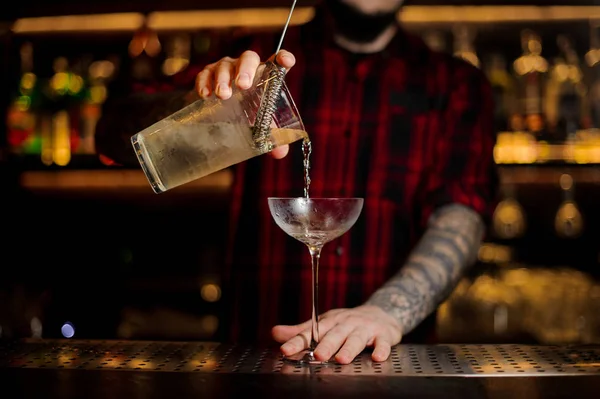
{"points": [[314, 222]]}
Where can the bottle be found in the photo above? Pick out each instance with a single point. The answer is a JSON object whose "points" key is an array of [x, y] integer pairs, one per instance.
{"points": [[22, 119], [592, 59], [64, 94], [531, 69], [435, 40], [565, 94], [504, 90], [464, 47]]}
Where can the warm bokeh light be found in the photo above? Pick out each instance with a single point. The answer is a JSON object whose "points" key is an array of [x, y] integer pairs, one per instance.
{"points": [[275, 17], [77, 23], [554, 306], [113, 180], [210, 292], [241, 17], [523, 148], [61, 139], [493, 253], [209, 324]]}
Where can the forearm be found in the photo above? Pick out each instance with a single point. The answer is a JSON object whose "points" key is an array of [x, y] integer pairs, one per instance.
{"points": [[446, 250]]}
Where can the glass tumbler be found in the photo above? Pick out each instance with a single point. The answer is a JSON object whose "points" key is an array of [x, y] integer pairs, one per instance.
{"points": [[211, 134]]}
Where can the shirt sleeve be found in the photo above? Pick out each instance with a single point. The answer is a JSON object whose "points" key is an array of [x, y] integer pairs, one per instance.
{"points": [[463, 168]]}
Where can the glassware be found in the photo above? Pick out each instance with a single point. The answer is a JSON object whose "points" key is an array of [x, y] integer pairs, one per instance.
{"points": [[211, 134], [314, 222]]}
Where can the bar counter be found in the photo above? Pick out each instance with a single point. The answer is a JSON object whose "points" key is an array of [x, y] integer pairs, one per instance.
{"points": [[156, 369]]}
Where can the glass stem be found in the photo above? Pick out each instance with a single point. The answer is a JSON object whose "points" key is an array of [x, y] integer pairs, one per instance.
{"points": [[315, 254]]}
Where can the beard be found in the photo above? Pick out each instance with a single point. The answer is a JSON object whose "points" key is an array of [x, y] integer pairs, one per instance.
{"points": [[357, 26]]}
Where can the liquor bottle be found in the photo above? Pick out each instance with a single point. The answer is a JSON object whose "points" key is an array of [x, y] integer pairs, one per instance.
{"points": [[178, 53], [99, 73], [143, 48], [65, 92], [532, 68], [435, 40], [464, 47], [22, 118], [504, 91], [592, 59], [565, 93]]}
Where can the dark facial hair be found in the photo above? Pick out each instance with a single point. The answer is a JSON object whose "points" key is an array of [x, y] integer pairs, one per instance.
{"points": [[357, 26]]}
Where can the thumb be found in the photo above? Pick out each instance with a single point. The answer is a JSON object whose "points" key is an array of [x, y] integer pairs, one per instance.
{"points": [[284, 58], [280, 152]]}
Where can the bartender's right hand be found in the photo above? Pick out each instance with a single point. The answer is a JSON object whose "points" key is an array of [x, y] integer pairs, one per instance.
{"points": [[219, 76]]}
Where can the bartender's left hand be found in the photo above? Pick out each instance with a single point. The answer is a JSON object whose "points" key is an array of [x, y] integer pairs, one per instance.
{"points": [[345, 333]]}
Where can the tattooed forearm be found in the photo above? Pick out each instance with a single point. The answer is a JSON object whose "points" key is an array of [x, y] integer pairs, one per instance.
{"points": [[448, 247]]}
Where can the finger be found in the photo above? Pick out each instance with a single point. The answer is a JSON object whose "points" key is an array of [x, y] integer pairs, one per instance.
{"points": [[223, 73], [296, 343], [284, 333], [204, 82], [354, 345], [382, 350], [332, 341], [246, 69], [327, 321], [280, 152], [285, 59]]}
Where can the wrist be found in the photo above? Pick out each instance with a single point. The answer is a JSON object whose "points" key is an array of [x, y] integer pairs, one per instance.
{"points": [[384, 313]]}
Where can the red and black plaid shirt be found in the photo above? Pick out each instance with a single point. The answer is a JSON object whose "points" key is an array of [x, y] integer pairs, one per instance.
{"points": [[407, 129]]}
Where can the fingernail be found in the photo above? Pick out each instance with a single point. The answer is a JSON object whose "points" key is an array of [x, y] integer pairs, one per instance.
{"points": [[287, 347], [244, 80], [222, 90]]}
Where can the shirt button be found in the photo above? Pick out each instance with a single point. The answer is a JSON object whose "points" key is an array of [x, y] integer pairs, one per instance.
{"points": [[339, 251]]}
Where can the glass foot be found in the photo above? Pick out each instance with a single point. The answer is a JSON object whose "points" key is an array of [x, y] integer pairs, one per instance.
{"points": [[306, 357]]}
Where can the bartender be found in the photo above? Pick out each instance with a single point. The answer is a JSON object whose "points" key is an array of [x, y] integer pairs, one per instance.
{"points": [[408, 129]]}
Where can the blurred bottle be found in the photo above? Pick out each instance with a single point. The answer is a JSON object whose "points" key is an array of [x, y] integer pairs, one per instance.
{"points": [[65, 93], [565, 93], [143, 48], [531, 69], [464, 44], [592, 59], [435, 40], [505, 96], [22, 119], [99, 73]]}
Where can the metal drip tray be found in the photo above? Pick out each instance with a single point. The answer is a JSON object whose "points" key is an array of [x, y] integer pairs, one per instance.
{"points": [[200, 357]]}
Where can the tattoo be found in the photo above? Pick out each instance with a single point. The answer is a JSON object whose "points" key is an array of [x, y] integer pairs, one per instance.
{"points": [[446, 250]]}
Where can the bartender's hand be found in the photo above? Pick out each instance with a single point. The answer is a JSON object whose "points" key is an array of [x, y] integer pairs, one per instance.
{"points": [[218, 78], [345, 333]]}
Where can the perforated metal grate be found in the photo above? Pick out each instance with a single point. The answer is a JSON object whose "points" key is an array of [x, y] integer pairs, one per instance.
{"points": [[406, 360]]}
